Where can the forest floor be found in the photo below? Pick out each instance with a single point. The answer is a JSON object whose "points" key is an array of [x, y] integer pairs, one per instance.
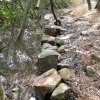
{"points": [[83, 27], [82, 35]]}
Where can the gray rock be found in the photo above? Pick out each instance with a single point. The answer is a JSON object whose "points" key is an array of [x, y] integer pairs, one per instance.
{"points": [[61, 92], [3, 79], [86, 32], [48, 46], [32, 98], [62, 65], [59, 41], [44, 38], [48, 16], [62, 39], [51, 40], [52, 30], [46, 83], [68, 58], [48, 39], [47, 59]]}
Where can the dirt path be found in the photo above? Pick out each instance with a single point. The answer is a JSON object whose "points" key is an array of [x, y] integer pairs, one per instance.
{"points": [[83, 38]]}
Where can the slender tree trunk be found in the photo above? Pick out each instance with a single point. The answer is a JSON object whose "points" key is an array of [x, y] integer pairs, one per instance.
{"points": [[23, 26], [58, 22], [98, 5], [89, 4]]}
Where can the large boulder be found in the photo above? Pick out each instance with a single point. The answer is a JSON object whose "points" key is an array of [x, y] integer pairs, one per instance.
{"points": [[61, 92], [46, 83], [47, 59]]}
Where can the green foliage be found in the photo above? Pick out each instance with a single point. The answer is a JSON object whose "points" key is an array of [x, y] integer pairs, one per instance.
{"points": [[14, 10], [8, 13]]}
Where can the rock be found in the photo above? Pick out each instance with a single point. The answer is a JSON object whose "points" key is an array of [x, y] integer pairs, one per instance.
{"points": [[2, 92], [64, 39], [50, 31], [86, 32], [47, 59], [48, 16], [67, 74], [54, 48], [69, 58], [61, 49], [48, 46], [53, 30], [95, 57], [90, 71], [48, 19], [48, 39], [32, 98], [51, 40], [3, 79], [46, 83], [44, 38], [59, 41], [61, 92], [93, 70], [62, 65]]}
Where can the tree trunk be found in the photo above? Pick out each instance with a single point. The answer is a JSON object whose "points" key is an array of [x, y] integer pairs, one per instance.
{"points": [[98, 5], [23, 26], [89, 4]]}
